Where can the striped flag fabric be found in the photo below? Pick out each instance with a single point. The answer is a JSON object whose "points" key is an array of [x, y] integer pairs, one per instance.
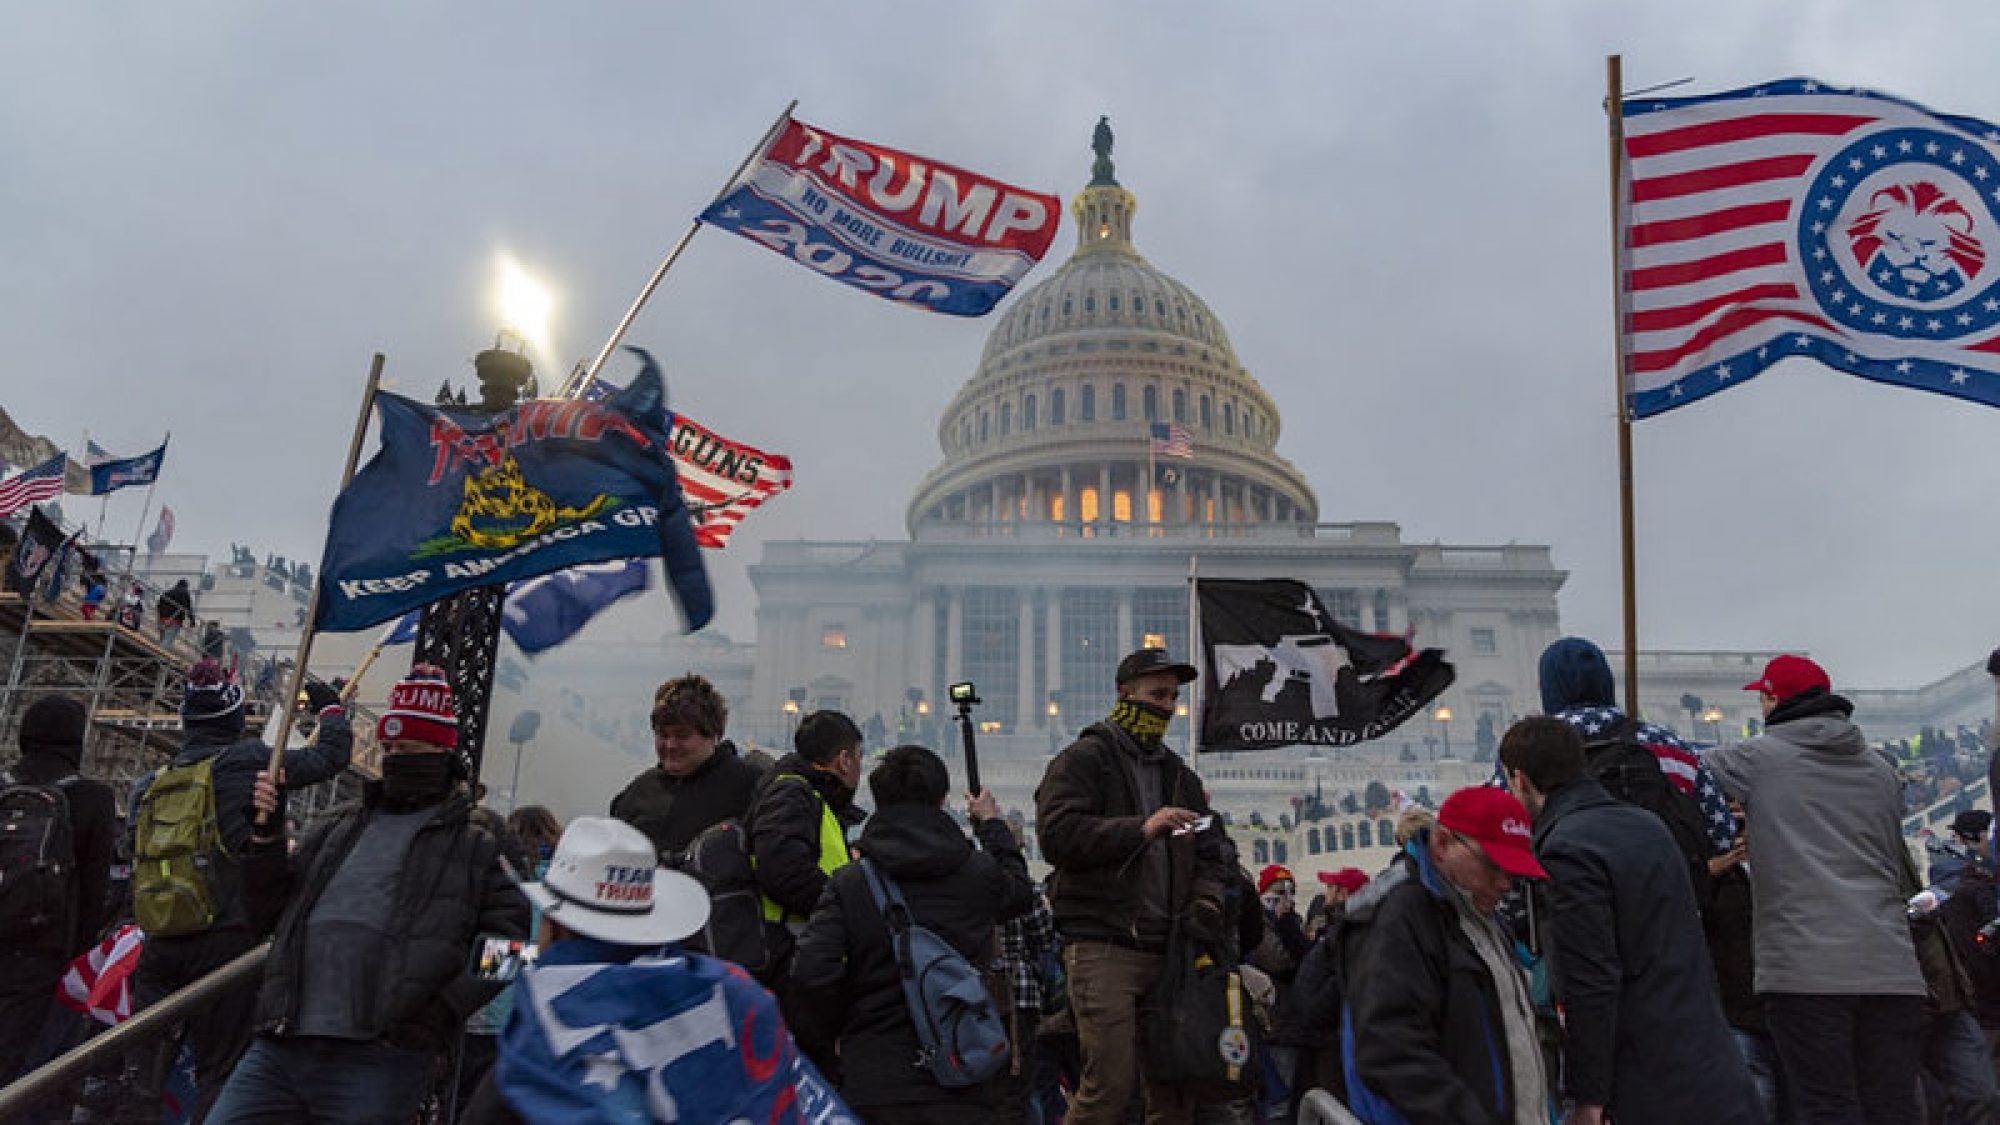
{"points": [[722, 480], [1170, 439], [1798, 218], [97, 983], [43, 482]]}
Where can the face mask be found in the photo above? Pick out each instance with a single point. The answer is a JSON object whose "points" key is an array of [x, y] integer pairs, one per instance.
{"points": [[416, 778]]}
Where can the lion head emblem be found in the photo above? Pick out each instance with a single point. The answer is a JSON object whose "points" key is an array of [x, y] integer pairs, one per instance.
{"points": [[1919, 235]]}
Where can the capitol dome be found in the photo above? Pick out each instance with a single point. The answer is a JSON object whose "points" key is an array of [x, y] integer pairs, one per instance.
{"points": [[1055, 426]]}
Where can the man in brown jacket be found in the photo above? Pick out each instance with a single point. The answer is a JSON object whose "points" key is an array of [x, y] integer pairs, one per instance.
{"points": [[1135, 847]]}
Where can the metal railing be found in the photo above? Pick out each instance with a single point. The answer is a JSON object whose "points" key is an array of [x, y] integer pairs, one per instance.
{"points": [[85, 1057]]}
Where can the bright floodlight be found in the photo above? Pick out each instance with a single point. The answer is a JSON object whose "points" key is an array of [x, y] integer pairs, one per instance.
{"points": [[524, 305]]}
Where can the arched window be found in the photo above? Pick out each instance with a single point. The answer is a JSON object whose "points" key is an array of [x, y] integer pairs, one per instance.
{"points": [[965, 432], [1068, 306], [1278, 850], [1114, 302], [1180, 405], [1385, 831], [1228, 418], [1208, 412], [982, 425], [1262, 850], [1367, 831], [1090, 302], [1088, 407], [1006, 418], [1028, 414], [1347, 837], [1152, 403], [1117, 402], [1312, 841], [1058, 406]]}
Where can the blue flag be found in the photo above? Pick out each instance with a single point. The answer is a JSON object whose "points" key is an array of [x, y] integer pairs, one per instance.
{"points": [[664, 1037], [404, 630], [110, 476], [457, 499], [542, 613]]}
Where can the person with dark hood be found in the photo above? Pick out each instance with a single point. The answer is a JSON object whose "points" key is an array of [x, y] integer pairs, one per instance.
{"points": [[174, 610], [1836, 967], [1966, 849], [701, 780], [1578, 688], [39, 941], [370, 976], [1631, 967], [192, 909], [848, 986]]}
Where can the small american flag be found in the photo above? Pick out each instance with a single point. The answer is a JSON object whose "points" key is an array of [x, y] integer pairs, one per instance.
{"points": [[721, 480], [1798, 218], [43, 482], [1171, 440]]}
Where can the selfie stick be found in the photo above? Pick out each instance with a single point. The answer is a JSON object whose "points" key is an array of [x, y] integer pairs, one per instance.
{"points": [[971, 749]]}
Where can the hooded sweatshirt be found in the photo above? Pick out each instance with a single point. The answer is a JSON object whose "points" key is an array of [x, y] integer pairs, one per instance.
{"points": [[1828, 868]]}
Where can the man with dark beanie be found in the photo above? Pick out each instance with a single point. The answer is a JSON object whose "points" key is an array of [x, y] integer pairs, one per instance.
{"points": [[216, 754], [1135, 848], [369, 980], [44, 783]]}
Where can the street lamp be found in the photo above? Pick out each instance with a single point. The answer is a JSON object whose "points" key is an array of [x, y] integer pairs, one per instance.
{"points": [[1713, 717], [1443, 717], [794, 703]]}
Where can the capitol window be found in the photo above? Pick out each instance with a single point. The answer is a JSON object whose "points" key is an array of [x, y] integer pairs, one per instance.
{"points": [[1028, 414], [1484, 642], [1228, 418], [1114, 302], [982, 425], [1118, 402], [833, 636], [1152, 403], [1006, 418], [1180, 405], [1068, 307], [1087, 409], [1057, 406], [1090, 302], [1208, 413]]}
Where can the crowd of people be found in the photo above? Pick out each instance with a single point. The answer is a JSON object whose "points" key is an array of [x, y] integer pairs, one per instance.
{"points": [[1621, 927]]}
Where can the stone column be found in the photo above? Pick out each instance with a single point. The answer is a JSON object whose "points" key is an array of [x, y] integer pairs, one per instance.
{"points": [[1126, 643], [1104, 493], [1030, 707], [954, 636], [1069, 497], [924, 644], [1053, 654], [1032, 488], [993, 501]]}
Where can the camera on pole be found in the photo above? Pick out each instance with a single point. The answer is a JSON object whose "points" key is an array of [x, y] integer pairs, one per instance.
{"points": [[965, 697]]}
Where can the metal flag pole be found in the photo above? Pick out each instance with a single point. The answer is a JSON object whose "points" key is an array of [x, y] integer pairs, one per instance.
{"points": [[288, 702], [145, 509], [1194, 653], [1614, 108], [576, 383]]}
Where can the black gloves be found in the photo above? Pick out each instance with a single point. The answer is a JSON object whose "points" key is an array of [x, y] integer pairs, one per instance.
{"points": [[320, 697]]}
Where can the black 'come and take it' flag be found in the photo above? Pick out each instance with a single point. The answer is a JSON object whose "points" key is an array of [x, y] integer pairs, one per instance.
{"points": [[1280, 671]]}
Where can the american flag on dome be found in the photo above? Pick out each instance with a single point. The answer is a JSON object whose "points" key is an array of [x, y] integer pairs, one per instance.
{"points": [[1798, 218], [721, 480], [1170, 440], [32, 486]]}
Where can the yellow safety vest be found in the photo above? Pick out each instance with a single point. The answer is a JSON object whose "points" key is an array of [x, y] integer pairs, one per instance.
{"points": [[832, 850]]}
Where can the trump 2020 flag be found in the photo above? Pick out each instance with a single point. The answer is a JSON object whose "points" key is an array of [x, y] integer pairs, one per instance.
{"points": [[901, 226], [456, 499], [1797, 218], [1280, 671], [110, 476], [543, 612]]}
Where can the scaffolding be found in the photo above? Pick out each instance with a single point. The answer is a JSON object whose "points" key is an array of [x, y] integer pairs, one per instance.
{"points": [[131, 686]]}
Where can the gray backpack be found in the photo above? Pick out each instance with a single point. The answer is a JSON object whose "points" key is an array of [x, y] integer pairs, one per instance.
{"points": [[959, 1025]]}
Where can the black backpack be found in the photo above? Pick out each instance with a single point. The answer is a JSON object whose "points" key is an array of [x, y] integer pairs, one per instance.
{"points": [[37, 862], [719, 859], [1631, 773]]}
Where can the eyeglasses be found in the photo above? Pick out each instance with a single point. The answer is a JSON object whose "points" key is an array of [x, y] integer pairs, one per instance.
{"points": [[1473, 846]]}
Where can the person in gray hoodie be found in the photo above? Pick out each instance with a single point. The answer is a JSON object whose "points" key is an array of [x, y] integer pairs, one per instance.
{"points": [[1835, 964]]}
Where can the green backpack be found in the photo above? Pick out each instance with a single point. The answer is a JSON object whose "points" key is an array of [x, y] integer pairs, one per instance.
{"points": [[177, 852]]}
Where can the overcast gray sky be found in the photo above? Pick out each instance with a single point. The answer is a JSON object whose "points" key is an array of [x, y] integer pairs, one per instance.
{"points": [[212, 213]]}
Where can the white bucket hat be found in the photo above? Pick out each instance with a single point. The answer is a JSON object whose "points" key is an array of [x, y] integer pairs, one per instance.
{"points": [[605, 882]]}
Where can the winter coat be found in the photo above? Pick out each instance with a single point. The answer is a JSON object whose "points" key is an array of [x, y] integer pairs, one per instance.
{"points": [[1631, 967], [845, 976], [1427, 1035], [672, 811], [1827, 861], [238, 759], [450, 890], [1729, 921], [1091, 826], [784, 831], [93, 830]]}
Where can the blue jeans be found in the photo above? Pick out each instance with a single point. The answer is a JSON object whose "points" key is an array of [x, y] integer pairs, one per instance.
{"points": [[1958, 1072], [330, 1080], [1760, 1058]]}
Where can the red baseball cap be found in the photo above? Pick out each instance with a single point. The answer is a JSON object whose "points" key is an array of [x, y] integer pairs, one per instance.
{"points": [[1787, 676], [1272, 874], [1498, 823], [1349, 879]]}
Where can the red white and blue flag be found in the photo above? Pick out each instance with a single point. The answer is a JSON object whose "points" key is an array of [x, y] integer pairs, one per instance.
{"points": [[1797, 218], [1170, 440], [901, 226], [32, 486]]}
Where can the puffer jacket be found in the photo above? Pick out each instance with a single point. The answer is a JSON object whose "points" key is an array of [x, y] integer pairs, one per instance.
{"points": [[451, 889], [845, 974], [1091, 826]]}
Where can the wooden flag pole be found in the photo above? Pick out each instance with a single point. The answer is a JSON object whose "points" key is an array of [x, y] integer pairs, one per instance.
{"points": [[289, 700], [1194, 658], [577, 383], [1614, 107]]}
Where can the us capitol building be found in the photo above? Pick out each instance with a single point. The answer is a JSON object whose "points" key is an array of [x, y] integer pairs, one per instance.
{"points": [[1048, 542]]}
